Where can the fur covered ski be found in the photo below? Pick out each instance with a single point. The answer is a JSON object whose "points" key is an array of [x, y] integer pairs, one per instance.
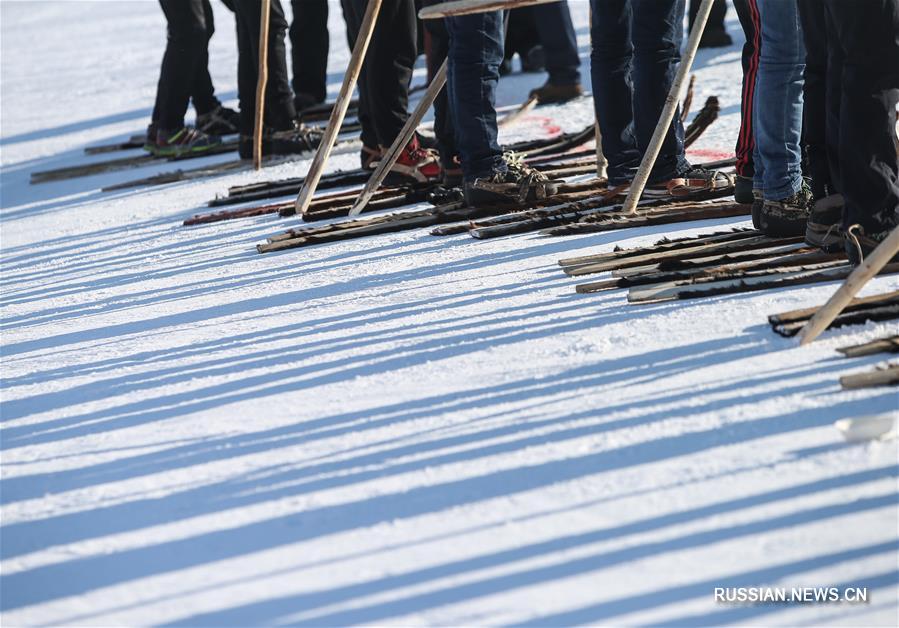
{"points": [[883, 376], [889, 344], [874, 308], [122, 163]]}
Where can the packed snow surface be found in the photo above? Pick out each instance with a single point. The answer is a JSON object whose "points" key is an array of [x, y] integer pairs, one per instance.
{"points": [[403, 429]]}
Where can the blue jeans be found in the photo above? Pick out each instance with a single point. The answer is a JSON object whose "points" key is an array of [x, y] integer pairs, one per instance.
{"points": [[475, 54], [636, 50], [777, 107]]}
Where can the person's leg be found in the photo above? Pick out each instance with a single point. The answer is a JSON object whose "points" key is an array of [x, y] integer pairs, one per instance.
{"points": [[811, 13], [559, 42], [778, 106], [747, 11], [353, 12], [611, 61], [279, 109], [870, 91], [715, 34], [388, 68], [657, 36], [309, 41], [443, 120], [203, 93], [186, 41], [475, 52]]}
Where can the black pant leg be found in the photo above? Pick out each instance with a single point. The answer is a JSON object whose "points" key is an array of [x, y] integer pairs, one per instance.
{"points": [[716, 15], [747, 12], [352, 15], [183, 54], [279, 108], [309, 42], [866, 31], [387, 70], [203, 92], [559, 42], [812, 15]]}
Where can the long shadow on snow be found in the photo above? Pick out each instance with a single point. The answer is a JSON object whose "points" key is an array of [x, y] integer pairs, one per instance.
{"points": [[80, 575], [319, 476]]}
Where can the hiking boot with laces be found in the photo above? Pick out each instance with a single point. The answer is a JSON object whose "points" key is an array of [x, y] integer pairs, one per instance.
{"points": [[823, 227], [219, 121], [415, 164], [693, 181], [150, 138], [758, 201], [859, 244], [787, 217], [549, 93], [296, 140], [743, 192], [184, 141], [516, 183]]}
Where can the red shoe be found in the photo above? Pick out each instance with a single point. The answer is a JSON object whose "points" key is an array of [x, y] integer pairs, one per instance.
{"points": [[417, 164]]}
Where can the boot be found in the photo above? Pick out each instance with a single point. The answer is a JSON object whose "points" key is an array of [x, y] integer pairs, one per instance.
{"points": [[549, 93], [823, 227], [515, 183], [787, 217]]}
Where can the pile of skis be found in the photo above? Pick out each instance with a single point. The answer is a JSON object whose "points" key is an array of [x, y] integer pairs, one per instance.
{"points": [[737, 261], [878, 307]]}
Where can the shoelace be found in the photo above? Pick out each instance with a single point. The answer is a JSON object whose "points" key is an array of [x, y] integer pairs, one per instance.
{"points": [[527, 175], [858, 247]]}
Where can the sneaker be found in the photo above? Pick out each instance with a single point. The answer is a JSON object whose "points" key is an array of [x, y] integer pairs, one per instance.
{"points": [[184, 141], [787, 217], [219, 121], [823, 226], [743, 192], [150, 138], [368, 157], [715, 38], [758, 201], [293, 141], [691, 182], [416, 164], [860, 245], [517, 183], [549, 93]]}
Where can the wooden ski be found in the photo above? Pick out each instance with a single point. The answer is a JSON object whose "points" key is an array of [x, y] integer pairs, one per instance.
{"points": [[886, 376], [890, 344]]}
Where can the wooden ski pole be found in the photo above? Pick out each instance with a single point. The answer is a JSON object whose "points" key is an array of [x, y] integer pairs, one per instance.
{"points": [[469, 7], [393, 153], [304, 198], [262, 81], [668, 111], [872, 265]]}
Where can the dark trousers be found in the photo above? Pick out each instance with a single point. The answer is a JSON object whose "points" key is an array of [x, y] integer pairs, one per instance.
{"points": [[279, 108], [821, 112], [716, 15], [309, 44], [748, 13], [475, 54], [185, 65], [862, 89], [438, 50], [387, 71], [559, 41], [636, 50]]}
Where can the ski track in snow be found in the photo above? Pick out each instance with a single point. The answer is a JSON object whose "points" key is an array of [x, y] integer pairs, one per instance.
{"points": [[403, 429]]}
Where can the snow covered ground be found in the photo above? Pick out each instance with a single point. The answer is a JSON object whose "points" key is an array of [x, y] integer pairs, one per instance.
{"points": [[400, 430]]}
